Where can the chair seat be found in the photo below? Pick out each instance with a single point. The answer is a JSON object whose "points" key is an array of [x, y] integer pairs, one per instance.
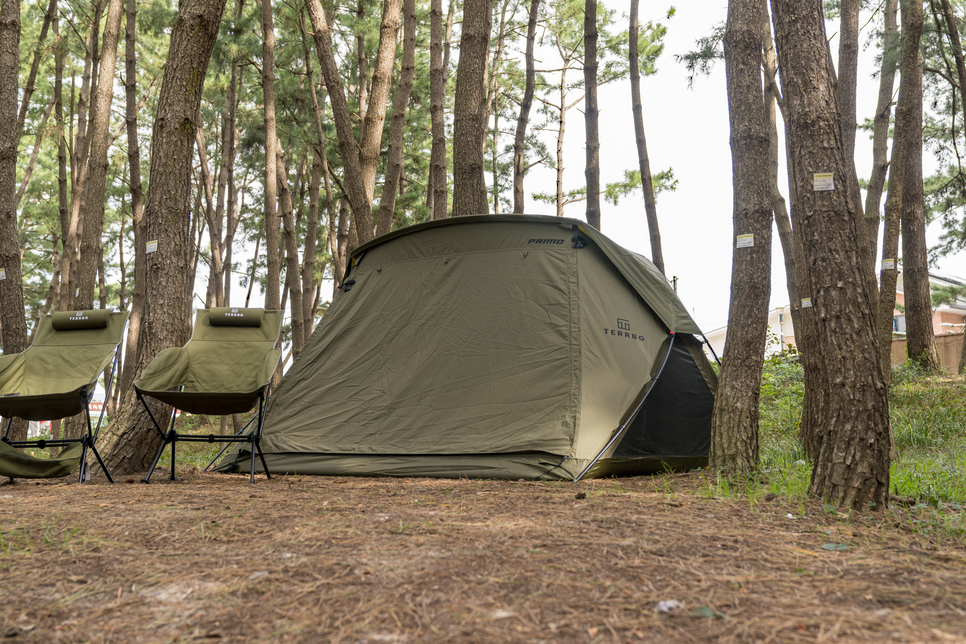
{"points": [[18, 464], [45, 406], [207, 402]]}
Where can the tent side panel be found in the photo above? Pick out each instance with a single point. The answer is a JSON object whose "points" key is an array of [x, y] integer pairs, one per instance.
{"points": [[469, 353], [620, 338]]}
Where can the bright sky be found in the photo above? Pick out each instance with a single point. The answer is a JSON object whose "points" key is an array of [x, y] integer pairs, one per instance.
{"points": [[687, 129]]}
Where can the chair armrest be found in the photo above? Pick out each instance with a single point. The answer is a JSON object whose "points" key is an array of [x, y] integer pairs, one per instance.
{"points": [[269, 364], [167, 370], [11, 372]]}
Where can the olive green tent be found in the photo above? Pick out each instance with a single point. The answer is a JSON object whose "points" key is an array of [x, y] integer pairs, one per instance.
{"points": [[505, 346]]}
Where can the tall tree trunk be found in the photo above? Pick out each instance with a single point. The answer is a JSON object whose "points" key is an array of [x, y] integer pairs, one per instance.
{"points": [[796, 268], [370, 138], [137, 198], [734, 423], [272, 222], [437, 101], [96, 185], [309, 253], [78, 166], [469, 185], [293, 282], [520, 140], [130, 442], [848, 71], [28, 89], [920, 337], [387, 204], [561, 129], [353, 180], [912, 21], [883, 118], [643, 161], [13, 324], [591, 114], [853, 464], [63, 205]]}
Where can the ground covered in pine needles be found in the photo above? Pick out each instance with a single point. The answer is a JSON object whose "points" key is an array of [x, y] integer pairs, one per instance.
{"points": [[312, 559]]}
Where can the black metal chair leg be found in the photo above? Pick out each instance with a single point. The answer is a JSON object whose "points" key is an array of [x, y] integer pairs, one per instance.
{"points": [[258, 446], [174, 444], [157, 457], [100, 461]]}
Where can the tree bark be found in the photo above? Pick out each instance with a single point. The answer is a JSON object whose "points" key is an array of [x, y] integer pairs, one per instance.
{"points": [[96, 184], [883, 118], [912, 22], [137, 200], [370, 139], [130, 442], [387, 204], [293, 275], [272, 222], [469, 185], [28, 89], [796, 268], [353, 179], [734, 423], [643, 161], [920, 337], [591, 115], [13, 324], [520, 140], [853, 464], [437, 101]]}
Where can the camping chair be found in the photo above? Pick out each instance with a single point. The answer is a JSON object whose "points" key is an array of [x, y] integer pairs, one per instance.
{"points": [[55, 378], [225, 368]]}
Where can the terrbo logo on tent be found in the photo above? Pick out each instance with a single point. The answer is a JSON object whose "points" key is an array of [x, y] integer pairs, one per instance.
{"points": [[623, 330]]}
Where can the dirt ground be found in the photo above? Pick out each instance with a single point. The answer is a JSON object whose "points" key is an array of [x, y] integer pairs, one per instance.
{"points": [[312, 559]]}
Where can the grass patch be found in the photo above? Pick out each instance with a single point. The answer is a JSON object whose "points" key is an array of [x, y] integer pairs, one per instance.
{"points": [[928, 414]]}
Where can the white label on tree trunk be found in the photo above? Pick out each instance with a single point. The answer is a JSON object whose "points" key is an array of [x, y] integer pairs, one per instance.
{"points": [[807, 303], [888, 264], [3, 273], [745, 241], [152, 247], [823, 181]]}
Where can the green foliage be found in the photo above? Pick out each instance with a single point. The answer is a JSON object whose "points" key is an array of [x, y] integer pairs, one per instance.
{"points": [[928, 416]]}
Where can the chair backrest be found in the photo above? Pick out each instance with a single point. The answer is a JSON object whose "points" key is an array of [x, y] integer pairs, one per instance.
{"points": [[70, 350], [228, 348]]}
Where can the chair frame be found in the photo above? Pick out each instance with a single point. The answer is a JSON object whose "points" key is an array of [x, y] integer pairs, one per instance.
{"points": [[88, 440], [171, 437]]}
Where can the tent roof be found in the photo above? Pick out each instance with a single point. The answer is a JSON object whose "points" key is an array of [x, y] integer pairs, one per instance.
{"points": [[642, 275]]}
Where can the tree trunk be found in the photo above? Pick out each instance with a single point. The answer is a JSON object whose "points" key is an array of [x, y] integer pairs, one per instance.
{"points": [[883, 117], [13, 324], [469, 185], [309, 251], [520, 140], [130, 442], [734, 423], [853, 464], [591, 115], [96, 184], [78, 167], [272, 223], [353, 178], [63, 202], [293, 282], [920, 337], [796, 268], [28, 89], [643, 161], [437, 101], [372, 126], [911, 36], [399, 105]]}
